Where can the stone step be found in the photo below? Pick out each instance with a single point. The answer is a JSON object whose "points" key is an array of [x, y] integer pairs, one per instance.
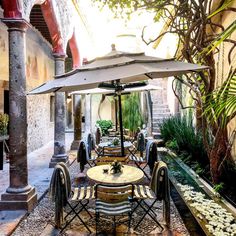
{"points": [[160, 104], [161, 114], [159, 118], [160, 110]]}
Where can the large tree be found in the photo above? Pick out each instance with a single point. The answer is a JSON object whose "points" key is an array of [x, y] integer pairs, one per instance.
{"points": [[198, 27]]}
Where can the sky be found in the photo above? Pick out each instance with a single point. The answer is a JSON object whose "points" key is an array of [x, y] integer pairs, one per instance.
{"points": [[104, 30]]}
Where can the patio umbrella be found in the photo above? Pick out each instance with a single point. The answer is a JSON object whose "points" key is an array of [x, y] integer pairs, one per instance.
{"points": [[117, 66], [126, 67]]}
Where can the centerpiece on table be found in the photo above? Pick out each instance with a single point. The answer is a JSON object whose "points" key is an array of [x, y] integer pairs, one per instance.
{"points": [[116, 141], [116, 167]]}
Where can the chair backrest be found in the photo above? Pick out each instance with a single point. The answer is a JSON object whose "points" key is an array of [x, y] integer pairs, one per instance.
{"points": [[111, 151], [90, 143], [106, 160], [82, 155], [60, 190], [161, 187], [60, 183], [98, 135], [151, 154], [114, 194], [140, 142], [160, 181]]}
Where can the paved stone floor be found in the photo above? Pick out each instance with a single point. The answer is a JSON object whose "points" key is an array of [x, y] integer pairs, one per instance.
{"points": [[39, 177], [40, 222]]}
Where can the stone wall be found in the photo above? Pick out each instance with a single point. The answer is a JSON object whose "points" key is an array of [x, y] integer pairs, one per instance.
{"points": [[39, 68]]}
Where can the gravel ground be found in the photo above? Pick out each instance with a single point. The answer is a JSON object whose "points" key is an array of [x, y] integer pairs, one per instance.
{"points": [[43, 216]]}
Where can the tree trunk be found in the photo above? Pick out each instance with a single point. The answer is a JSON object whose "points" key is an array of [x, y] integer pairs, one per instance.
{"points": [[217, 154]]}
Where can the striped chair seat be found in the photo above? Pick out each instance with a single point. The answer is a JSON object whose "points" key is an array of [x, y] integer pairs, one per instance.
{"points": [[143, 192], [136, 158], [83, 193], [113, 209]]}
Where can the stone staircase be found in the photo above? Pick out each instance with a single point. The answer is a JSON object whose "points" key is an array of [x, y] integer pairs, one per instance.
{"points": [[160, 107], [160, 112]]}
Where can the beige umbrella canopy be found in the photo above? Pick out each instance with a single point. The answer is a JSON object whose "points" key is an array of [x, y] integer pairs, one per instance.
{"points": [[126, 67], [119, 68]]}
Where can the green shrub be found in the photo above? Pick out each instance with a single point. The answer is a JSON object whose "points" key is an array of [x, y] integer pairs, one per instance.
{"points": [[183, 132], [172, 144], [131, 112], [105, 125], [4, 118]]}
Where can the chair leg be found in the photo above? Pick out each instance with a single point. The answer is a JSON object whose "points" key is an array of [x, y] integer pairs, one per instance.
{"points": [[76, 214], [96, 218], [114, 225], [147, 213], [129, 223]]}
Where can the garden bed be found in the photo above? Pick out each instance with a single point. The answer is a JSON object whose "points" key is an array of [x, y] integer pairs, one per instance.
{"points": [[215, 215]]}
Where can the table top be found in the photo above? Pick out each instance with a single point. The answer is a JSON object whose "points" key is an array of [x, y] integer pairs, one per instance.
{"points": [[129, 174], [127, 144]]}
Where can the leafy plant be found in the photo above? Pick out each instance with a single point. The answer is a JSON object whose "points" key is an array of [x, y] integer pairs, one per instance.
{"points": [[105, 125], [179, 132], [116, 141], [219, 187], [131, 111], [4, 119], [116, 167], [172, 144]]}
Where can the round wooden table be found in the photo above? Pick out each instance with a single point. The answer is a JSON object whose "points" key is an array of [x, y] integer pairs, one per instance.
{"points": [[129, 174]]}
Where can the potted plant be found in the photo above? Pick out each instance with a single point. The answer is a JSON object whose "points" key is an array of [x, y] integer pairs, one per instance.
{"points": [[116, 167], [115, 141]]}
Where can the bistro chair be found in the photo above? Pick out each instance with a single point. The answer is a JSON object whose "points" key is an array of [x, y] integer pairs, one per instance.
{"points": [[151, 156], [83, 156], [113, 201], [159, 190], [76, 199]]}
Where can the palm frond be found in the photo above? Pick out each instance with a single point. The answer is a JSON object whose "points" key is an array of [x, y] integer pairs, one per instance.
{"points": [[221, 104]]}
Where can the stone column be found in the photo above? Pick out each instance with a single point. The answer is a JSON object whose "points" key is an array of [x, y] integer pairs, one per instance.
{"points": [[77, 122], [87, 113], [19, 195], [60, 118]]}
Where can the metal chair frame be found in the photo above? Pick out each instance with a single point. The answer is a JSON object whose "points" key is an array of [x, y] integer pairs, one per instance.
{"points": [[79, 195]]}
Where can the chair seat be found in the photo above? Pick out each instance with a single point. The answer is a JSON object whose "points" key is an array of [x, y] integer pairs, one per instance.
{"points": [[143, 192], [83, 193], [137, 159], [113, 209]]}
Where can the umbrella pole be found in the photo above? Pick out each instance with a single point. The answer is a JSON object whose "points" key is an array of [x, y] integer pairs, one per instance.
{"points": [[121, 127], [116, 119]]}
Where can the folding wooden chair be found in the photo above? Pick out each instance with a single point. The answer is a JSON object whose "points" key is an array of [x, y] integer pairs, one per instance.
{"points": [[158, 190], [113, 201], [61, 193], [149, 159]]}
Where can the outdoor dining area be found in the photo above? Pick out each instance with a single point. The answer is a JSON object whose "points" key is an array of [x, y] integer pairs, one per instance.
{"points": [[119, 175], [112, 187]]}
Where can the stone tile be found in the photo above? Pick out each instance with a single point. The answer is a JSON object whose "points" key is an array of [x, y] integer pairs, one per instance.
{"points": [[9, 221]]}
